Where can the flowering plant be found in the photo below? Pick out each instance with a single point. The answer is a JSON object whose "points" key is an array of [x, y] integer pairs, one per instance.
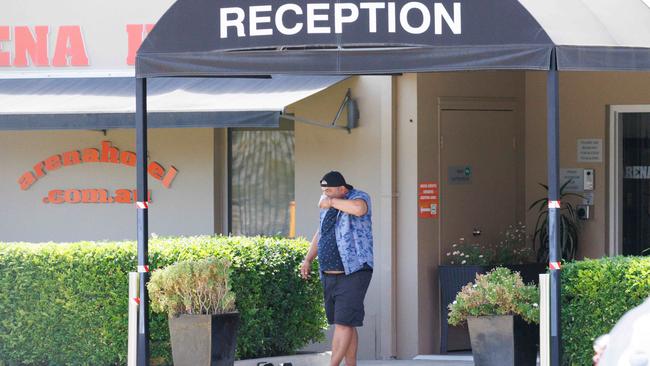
{"points": [[498, 292], [467, 253], [512, 249]]}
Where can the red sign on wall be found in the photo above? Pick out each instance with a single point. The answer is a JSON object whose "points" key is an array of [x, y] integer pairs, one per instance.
{"points": [[107, 154], [428, 200]]}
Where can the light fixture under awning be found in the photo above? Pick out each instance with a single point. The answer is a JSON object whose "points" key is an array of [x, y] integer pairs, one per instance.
{"points": [[103, 103]]}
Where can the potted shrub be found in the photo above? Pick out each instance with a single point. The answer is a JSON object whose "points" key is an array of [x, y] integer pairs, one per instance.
{"points": [[466, 259], [502, 314], [203, 322]]}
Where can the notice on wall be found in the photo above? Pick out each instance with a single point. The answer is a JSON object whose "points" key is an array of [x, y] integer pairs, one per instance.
{"points": [[460, 174], [428, 200], [590, 150], [575, 177], [587, 198]]}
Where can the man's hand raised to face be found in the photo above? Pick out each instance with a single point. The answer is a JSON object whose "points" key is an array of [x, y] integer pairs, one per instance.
{"points": [[325, 202]]}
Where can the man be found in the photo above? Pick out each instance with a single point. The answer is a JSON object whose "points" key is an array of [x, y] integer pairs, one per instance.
{"points": [[343, 244]]}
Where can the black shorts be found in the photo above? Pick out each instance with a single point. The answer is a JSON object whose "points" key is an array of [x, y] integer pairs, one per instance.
{"points": [[344, 296]]}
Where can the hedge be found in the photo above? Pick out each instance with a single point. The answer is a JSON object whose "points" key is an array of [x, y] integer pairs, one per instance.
{"points": [[595, 294], [66, 304]]}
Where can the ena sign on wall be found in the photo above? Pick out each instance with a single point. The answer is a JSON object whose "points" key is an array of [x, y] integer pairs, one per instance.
{"points": [[107, 154], [74, 38]]}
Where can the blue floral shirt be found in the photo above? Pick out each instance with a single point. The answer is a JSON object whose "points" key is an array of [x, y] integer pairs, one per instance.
{"points": [[354, 235]]}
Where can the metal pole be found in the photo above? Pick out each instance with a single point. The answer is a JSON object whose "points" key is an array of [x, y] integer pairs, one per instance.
{"points": [[143, 218], [553, 128]]}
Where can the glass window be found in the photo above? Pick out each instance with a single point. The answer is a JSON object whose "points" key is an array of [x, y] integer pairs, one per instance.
{"points": [[262, 181], [636, 183]]}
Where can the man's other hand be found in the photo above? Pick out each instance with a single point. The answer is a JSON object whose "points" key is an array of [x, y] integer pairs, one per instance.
{"points": [[305, 268]]}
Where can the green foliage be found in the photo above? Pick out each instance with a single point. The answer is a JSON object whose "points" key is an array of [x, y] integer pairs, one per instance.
{"points": [[66, 304], [595, 294], [192, 287], [498, 292], [569, 225]]}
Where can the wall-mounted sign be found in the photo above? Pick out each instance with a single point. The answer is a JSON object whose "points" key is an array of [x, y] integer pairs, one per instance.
{"points": [[590, 150], [31, 46], [76, 38], [460, 174], [92, 195], [575, 177], [106, 154], [343, 17], [637, 172], [428, 200]]}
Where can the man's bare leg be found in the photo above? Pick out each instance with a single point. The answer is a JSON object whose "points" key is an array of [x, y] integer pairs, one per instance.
{"points": [[351, 354], [343, 336]]}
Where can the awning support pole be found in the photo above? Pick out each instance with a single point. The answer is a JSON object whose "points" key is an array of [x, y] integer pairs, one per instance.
{"points": [[553, 133], [143, 218]]}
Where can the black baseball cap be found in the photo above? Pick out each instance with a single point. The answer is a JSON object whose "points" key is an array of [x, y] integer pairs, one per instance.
{"points": [[334, 179]]}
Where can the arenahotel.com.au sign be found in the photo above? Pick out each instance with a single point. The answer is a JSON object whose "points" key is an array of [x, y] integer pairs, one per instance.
{"points": [[107, 154]]}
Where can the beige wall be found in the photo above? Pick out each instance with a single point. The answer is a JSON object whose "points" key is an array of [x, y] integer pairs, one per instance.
{"points": [[584, 98], [406, 257], [430, 87], [186, 208], [358, 157]]}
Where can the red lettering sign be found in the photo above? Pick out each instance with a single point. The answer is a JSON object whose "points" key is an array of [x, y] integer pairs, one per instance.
{"points": [[136, 34], [91, 195], [58, 46], [70, 49], [156, 170], [31, 45], [5, 56], [108, 154], [428, 200]]}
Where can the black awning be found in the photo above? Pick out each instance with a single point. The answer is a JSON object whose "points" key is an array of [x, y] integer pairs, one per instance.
{"points": [[258, 37]]}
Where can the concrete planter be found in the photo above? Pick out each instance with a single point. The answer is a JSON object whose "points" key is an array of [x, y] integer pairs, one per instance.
{"points": [[504, 340], [204, 340], [451, 279]]}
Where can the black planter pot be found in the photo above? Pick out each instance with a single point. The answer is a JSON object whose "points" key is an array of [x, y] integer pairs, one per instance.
{"points": [[451, 279], [504, 340], [204, 340]]}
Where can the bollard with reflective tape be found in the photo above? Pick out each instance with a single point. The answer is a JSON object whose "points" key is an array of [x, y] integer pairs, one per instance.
{"points": [[134, 303]]}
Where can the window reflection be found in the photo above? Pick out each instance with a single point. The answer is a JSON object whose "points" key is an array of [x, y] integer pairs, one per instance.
{"points": [[262, 182]]}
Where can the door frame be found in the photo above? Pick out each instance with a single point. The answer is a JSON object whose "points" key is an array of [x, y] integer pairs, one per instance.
{"points": [[615, 174], [502, 104]]}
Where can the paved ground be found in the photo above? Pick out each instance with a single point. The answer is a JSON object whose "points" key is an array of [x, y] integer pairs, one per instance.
{"points": [[322, 359], [416, 363]]}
